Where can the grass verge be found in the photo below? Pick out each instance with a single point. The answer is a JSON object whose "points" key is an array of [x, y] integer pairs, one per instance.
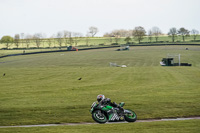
{"points": [[186, 126], [39, 89]]}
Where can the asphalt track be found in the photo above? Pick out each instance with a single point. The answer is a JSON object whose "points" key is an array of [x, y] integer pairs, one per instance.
{"points": [[84, 123]]}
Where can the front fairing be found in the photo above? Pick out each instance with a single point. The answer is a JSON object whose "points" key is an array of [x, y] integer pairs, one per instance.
{"points": [[106, 108], [94, 105]]}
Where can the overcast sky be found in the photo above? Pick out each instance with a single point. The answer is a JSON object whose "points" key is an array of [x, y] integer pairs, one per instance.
{"points": [[51, 16]]}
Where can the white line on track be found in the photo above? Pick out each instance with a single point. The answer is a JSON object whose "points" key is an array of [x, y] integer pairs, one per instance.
{"points": [[75, 124]]}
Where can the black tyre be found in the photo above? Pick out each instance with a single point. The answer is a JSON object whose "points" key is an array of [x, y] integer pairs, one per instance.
{"points": [[99, 117], [130, 115]]}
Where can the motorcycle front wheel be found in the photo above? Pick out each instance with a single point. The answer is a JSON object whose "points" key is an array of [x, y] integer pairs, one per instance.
{"points": [[99, 117], [130, 115]]}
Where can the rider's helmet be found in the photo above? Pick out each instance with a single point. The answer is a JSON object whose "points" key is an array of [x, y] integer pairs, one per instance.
{"points": [[100, 97]]}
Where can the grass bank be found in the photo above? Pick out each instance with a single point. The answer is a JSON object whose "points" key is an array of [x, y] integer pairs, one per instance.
{"points": [[39, 89]]}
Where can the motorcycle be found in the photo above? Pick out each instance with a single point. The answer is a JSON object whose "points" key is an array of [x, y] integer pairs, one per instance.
{"points": [[106, 113]]}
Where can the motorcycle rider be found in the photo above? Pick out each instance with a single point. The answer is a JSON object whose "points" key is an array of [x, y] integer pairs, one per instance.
{"points": [[106, 101]]}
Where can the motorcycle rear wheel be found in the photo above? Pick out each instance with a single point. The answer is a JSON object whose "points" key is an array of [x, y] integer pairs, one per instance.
{"points": [[99, 117], [131, 116]]}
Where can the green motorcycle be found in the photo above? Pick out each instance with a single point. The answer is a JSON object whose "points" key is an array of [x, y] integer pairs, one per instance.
{"points": [[106, 113]]}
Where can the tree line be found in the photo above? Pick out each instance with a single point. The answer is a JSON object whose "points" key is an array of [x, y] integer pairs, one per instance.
{"points": [[66, 37], [73, 38], [138, 34]]}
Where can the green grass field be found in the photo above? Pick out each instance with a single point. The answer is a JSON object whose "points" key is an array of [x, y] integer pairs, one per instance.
{"points": [[188, 126], [44, 88]]}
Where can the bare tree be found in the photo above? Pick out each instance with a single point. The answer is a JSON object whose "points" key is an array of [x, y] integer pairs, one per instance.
{"points": [[156, 32], [117, 39], [37, 38], [116, 36], [43, 40], [194, 33], [110, 39], [184, 33], [59, 38], [22, 37], [17, 40], [53, 37], [87, 38], [121, 32], [139, 33], [65, 37], [70, 39], [93, 31], [150, 34], [173, 33], [27, 40], [49, 41], [106, 34], [77, 37]]}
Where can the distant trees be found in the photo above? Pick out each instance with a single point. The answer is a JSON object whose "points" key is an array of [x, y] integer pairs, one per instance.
{"points": [[156, 33], [71, 40], [121, 33], [8, 40], [93, 31], [65, 36], [127, 39], [21, 38], [113, 37], [53, 37], [27, 40], [59, 38], [139, 33], [150, 34], [116, 37], [71, 37], [87, 39], [173, 33], [77, 37], [37, 39], [194, 33], [184, 33], [109, 40], [17, 40]]}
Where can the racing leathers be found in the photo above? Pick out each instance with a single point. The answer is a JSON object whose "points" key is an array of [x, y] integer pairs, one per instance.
{"points": [[107, 101]]}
